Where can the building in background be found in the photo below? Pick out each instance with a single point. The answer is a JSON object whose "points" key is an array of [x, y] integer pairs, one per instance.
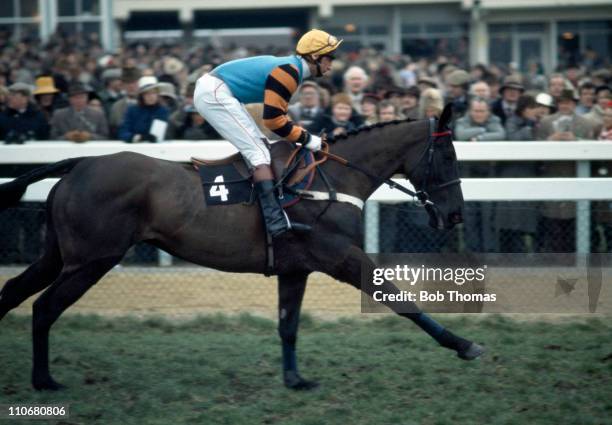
{"points": [[548, 32]]}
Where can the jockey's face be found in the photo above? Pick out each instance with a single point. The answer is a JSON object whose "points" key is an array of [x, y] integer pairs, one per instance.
{"points": [[325, 63]]}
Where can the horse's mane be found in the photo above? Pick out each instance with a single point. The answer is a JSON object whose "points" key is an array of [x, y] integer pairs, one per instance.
{"points": [[368, 128]]}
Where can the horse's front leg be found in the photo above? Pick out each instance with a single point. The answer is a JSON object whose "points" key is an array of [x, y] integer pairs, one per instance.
{"points": [[350, 269], [290, 294]]}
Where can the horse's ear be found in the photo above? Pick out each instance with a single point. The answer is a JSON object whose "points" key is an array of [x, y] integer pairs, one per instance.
{"points": [[445, 117]]}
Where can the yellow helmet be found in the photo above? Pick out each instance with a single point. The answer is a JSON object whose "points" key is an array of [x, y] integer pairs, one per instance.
{"points": [[317, 42]]}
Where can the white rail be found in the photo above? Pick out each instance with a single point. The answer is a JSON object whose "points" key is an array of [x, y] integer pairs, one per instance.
{"points": [[583, 188]]}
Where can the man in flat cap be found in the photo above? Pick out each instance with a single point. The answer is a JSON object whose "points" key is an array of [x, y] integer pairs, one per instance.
{"points": [[458, 83], [22, 120], [79, 122], [129, 77], [510, 91], [113, 89]]}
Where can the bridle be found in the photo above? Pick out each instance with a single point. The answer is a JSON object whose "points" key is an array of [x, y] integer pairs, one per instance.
{"points": [[421, 196]]}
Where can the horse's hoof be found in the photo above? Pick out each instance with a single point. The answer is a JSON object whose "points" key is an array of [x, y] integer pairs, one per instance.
{"points": [[294, 381], [47, 384], [472, 352]]}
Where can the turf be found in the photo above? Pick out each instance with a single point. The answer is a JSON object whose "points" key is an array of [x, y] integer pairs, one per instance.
{"points": [[221, 370]]}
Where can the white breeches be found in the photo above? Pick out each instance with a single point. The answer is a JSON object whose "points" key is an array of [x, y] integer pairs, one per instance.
{"points": [[216, 103]]}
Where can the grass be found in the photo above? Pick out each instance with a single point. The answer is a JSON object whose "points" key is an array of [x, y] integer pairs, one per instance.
{"points": [[225, 370]]}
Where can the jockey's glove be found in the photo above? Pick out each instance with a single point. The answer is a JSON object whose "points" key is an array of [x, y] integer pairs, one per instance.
{"points": [[313, 143]]}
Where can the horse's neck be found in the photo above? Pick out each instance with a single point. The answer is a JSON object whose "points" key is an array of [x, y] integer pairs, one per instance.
{"points": [[381, 151]]}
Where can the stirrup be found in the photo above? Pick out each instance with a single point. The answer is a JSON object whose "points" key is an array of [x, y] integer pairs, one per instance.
{"points": [[297, 227]]}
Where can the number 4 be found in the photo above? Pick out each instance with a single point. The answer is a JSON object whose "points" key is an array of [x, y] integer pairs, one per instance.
{"points": [[219, 190]]}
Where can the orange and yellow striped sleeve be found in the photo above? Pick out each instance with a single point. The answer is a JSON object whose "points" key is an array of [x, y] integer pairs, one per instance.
{"points": [[282, 82]]}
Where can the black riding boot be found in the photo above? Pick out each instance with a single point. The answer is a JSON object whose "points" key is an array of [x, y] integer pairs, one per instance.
{"points": [[276, 220]]}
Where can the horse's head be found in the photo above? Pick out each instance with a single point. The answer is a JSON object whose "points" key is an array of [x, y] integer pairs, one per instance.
{"points": [[436, 175]]}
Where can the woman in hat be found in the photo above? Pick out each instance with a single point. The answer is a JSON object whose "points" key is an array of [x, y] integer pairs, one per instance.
{"points": [[139, 118], [48, 97], [221, 94]]}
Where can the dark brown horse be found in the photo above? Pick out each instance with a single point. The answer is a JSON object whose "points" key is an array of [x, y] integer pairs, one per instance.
{"points": [[104, 205]]}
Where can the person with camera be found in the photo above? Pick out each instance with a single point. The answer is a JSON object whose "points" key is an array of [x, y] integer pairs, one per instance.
{"points": [[22, 121]]}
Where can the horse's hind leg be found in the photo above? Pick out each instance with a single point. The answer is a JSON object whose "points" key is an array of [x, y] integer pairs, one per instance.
{"points": [[71, 284], [35, 278]]}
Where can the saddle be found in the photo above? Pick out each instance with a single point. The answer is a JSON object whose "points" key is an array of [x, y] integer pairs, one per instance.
{"points": [[229, 180]]}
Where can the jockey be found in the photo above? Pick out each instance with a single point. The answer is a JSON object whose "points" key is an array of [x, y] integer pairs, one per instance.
{"points": [[221, 94]]}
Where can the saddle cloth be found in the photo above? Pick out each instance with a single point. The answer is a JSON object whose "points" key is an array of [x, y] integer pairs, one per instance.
{"points": [[228, 181]]}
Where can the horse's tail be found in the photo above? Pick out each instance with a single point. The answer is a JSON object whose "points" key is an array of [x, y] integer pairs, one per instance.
{"points": [[13, 191]]}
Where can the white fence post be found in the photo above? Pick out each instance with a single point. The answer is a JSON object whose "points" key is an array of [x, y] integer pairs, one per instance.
{"points": [[371, 222], [583, 213]]}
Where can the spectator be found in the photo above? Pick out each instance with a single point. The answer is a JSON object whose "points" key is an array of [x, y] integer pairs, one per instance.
{"points": [[586, 98], [494, 86], [129, 78], [410, 102], [194, 127], [556, 84], [79, 122], [48, 97], [387, 111], [556, 230], [355, 82], [167, 96], [178, 118], [426, 82], [113, 89], [521, 125], [566, 124], [431, 103], [535, 78], [510, 91], [515, 227], [339, 122], [479, 124], [96, 103], [572, 75], [139, 118], [458, 84], [369, 108], [603, 96], [3, 97], [606, 130], [394, 95], [22, 121], [601, 77], [602, 210], [308, 108], [480, 89], [546, 105]]}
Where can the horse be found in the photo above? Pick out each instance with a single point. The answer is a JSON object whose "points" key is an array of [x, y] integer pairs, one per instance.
{"points": [[103, 205]]}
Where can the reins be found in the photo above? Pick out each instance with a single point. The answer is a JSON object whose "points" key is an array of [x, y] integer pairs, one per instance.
{"points": [[421, 195]]}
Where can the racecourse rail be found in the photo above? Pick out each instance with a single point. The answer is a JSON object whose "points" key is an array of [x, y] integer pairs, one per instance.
{"points": [[581, 188]]}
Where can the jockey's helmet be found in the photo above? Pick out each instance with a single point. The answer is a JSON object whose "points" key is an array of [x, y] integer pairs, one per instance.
{"points": [[317, 43]]}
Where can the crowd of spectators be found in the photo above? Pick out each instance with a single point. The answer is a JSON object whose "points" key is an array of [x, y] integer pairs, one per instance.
{"points": [[71, 89]]}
